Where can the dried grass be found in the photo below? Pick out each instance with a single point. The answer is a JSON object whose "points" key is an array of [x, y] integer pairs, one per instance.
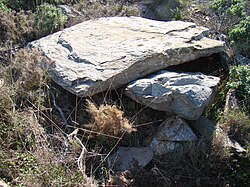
{"points": [[16, 27], [108, 119], [220, 145]]}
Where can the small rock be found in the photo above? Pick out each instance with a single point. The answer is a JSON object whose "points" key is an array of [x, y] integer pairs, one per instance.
{"points": [[3, 184], [231, 101], [205, 127], [229, 142], [68, 11], [235, 146], [170, 134], [128, 158], [183, 94], [241, 60], [1, 83]]}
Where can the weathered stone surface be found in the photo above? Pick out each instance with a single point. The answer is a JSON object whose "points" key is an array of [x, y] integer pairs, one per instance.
{"points": [[126, 158], [106, 53], [204, 126], [1, 82], [227, 141], [170, 134], [241, 60], [3, 184], [231, 101], [68, 11], [184, 94], [159, 10]]}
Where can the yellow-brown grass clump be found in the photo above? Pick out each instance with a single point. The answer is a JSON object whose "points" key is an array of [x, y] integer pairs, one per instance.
{"points": [[108, 120]]}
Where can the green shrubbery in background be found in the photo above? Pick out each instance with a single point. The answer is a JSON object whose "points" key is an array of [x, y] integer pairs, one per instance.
{"points": [[240, 36], [235, 13], [234, 7], [240, 80], [3, 6], [18, 5], [49, 19]]}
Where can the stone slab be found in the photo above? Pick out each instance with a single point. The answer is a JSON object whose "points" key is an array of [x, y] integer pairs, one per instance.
{"points": [[106, 53], [183, 94]]}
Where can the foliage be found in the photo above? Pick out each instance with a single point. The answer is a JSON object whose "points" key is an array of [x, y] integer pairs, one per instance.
{"points": [[108, 120], [240, 35], [234, 7], [235, 21], [3, 6], [49, 19], [28, 154], [177, 14], [239, 79], [96, 9], [16, 27], [18, 5], [237, 125]]}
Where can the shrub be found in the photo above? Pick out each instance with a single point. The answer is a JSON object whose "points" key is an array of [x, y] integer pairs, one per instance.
{"points": [[239, 79], [49, 19], [240, 35], [233, 20], [3, 6], [237, 123], [96, 9], [234, 7], [16, 28], [18, 5], [108, 120]]}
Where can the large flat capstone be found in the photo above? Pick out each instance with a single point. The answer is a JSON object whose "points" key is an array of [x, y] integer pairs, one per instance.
{"points": [[106, 53]]}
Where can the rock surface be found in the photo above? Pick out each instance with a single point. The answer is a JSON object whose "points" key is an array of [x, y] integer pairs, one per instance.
{"points": [[68, 11], [183, 94], [106, 53], [241, 60], [127, 158], [3, 184], [204, 126], [170, 134]]}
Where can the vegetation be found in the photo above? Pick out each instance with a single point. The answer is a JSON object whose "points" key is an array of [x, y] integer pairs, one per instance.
{"points": [[49, 19], [49, 137], [240, 80], [240, 36]]}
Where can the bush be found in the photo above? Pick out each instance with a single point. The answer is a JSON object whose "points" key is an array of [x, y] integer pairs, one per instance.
{"points": [[16, 28], [237, 122], [239, 79], [240, 35], [3, 6], [18, 5], [49, 19], [21, 4], [234, 8], [109, 120], [234, 22], [109, 8]]}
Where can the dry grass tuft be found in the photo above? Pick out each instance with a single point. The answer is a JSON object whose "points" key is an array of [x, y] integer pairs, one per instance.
{"points": [[108, 119], [16, 27], [27, 69], [237, 125], [220, 144]]}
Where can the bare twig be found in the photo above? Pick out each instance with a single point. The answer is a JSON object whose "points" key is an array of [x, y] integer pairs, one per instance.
{"points": [[81, 161], [58, 108]]}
